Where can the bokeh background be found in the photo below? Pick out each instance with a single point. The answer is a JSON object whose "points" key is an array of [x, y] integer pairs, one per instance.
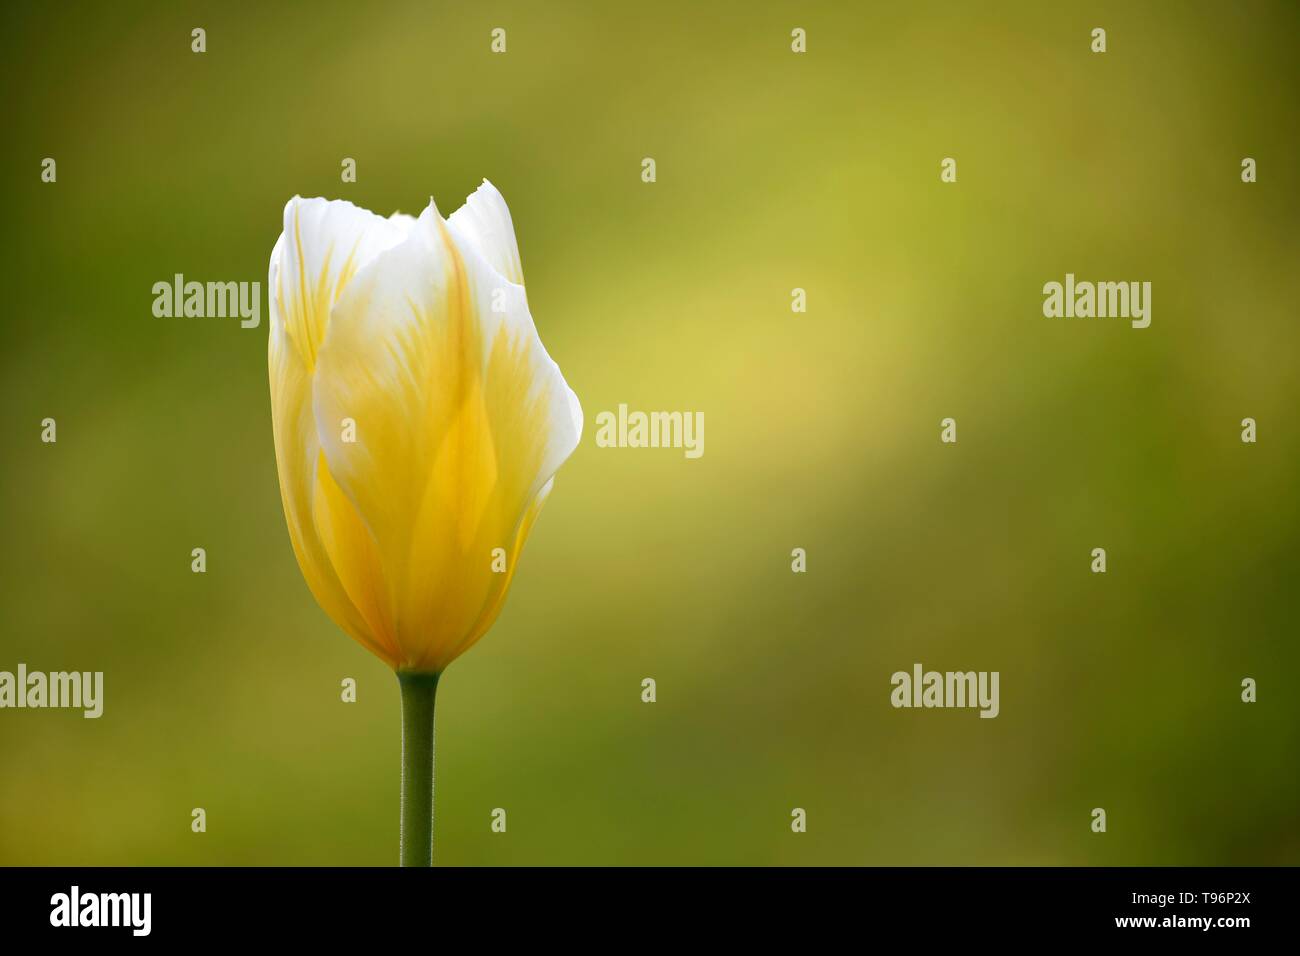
{"points": [[775, 171]]}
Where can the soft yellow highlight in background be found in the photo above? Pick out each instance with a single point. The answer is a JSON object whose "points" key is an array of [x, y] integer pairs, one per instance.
{"points": [[774, 171]]}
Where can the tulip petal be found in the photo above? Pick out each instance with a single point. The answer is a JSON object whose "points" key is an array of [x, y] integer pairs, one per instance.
{"points": [[299, 463], [462, 420], [323, 245], [485, 222], [497, 595], [321, 248]]}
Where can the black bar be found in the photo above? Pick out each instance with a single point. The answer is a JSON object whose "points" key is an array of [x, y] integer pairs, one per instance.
{"points": [[329, 906]]}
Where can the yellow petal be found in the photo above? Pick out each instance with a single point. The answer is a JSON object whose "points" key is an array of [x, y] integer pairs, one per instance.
{"points": [[497, 596], [322, 246], [462, 419]]}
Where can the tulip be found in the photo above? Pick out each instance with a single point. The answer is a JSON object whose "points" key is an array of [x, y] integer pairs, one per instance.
{"points": [[418, 425]]}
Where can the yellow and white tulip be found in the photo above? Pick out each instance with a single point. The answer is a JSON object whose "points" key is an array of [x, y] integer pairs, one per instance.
{"points": [[418, 420]]}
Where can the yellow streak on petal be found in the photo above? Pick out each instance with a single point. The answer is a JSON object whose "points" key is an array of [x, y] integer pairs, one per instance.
{"points": [[308, 317]]}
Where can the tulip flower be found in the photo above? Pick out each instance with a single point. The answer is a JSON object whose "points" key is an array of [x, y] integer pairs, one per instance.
{"points": [[418, 424]]}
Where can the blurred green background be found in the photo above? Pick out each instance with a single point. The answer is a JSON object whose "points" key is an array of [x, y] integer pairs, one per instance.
{"points": [[775, 171]]}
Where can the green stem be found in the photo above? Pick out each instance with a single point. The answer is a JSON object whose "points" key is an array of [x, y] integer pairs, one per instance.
{"points": [[418, 691]]}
